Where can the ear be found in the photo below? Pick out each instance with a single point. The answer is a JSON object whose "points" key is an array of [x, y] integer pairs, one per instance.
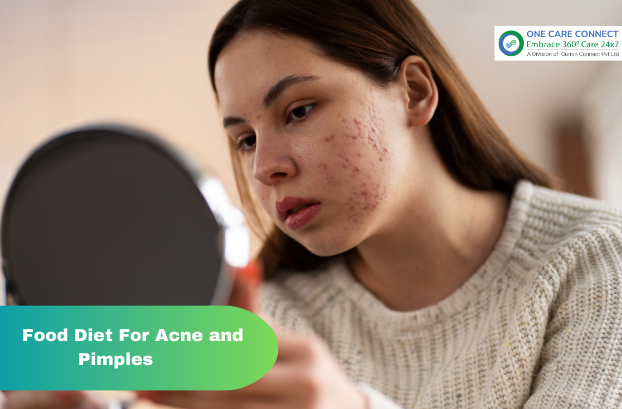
{"points": [[421, 94]]}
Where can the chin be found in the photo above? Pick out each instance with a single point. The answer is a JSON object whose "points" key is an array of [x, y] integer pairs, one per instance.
{"points": [[325, 245], [324, 251]]}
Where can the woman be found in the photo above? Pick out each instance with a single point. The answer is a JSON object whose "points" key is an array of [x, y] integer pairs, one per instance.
{"points": [[415, 259], [441, 270]]}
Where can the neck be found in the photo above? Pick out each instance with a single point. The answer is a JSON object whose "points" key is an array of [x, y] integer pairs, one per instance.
{"points": [[422, 257]]}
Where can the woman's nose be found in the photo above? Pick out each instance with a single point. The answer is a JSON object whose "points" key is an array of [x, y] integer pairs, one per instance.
{"points": [[272, 163]]}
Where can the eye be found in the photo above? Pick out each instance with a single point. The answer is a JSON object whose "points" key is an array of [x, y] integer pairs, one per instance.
{"points": [[247, 143], [298, 114]]}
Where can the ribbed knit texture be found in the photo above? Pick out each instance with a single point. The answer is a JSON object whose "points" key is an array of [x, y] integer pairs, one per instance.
{"points": [[539, 325]]}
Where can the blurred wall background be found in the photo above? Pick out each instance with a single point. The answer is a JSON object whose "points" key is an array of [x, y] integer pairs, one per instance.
{"points": [[144, 62]]}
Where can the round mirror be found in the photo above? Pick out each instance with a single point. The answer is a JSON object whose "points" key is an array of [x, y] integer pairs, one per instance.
{"points": [[111, 215]]}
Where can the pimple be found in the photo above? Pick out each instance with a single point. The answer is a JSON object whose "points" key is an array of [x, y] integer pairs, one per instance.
{"points": [[258, 116], [330, 138]]}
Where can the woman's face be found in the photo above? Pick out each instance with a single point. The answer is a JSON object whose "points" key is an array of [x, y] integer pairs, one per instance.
{"points": [[326, 150]]}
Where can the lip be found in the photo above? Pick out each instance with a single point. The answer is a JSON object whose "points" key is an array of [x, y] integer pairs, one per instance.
{"points": [[300, 218]]}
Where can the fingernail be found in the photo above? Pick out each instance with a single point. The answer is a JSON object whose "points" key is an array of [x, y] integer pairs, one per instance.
{"points": [[66, 396], [254, 271], [150, 395]]}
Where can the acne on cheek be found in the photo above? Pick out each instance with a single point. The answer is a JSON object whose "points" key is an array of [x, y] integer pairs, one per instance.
{"points": [[361, 137], [363, 194], [374, 127], [365, 200]]}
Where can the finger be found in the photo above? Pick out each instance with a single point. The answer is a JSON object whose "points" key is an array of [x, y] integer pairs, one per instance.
{"points": [[246, 284], [149, 395], [241, 295], [293, 346], [254, 271], [280, 383], [104, 399], [78, 399], [196, 399], [170, 398], [215, 400]]}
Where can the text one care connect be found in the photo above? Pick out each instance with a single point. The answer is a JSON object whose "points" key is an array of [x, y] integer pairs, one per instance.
{"points": [[588, 39], [577, 43]]}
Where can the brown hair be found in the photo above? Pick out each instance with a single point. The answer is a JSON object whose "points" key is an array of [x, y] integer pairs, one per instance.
{"points": [[374, 36]]}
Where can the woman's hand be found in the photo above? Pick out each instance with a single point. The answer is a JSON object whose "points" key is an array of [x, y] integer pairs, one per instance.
{"points": [[305, 375]]}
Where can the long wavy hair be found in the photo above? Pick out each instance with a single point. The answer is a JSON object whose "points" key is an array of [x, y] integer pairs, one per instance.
{"points": [[374, 36]]}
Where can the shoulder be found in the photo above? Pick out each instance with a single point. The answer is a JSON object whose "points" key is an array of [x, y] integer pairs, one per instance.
{"points": [[567, 214], [556, 221], [574, 291], [295, 299], [573, 248]]}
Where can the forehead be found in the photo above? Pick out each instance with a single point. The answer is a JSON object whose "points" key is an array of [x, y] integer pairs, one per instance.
{"points": [[254, 61]]}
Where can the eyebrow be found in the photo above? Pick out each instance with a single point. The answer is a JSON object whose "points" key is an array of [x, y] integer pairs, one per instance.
{"points": [[278, 88], [272, 94], [232, 120]]}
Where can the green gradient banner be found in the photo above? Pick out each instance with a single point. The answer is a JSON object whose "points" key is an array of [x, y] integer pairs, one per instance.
{"points": [[133, 348]]}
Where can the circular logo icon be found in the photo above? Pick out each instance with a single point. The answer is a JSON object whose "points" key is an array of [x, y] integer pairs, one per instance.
{"points": [[511, 43]]}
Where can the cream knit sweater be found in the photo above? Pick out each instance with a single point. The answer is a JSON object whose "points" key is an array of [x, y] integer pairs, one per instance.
{"points": [[539, 325]]}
